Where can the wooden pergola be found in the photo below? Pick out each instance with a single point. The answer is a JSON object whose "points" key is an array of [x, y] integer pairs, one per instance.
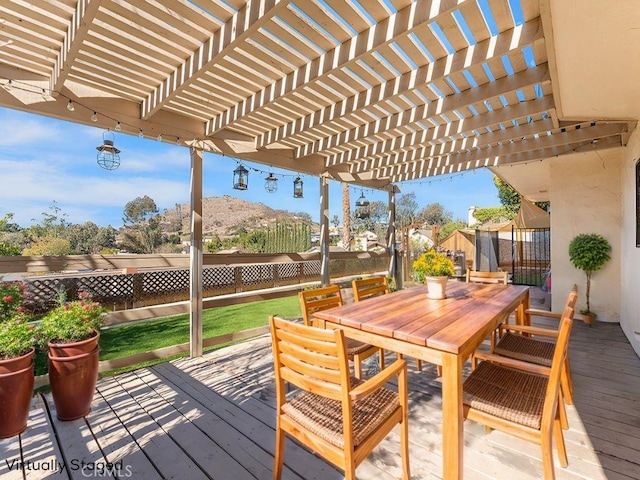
{"points": [[372, 93]]}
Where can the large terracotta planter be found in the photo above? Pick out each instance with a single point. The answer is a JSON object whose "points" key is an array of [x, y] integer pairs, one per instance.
{"points": [[73, 373], [437, 287], [16, 391]]}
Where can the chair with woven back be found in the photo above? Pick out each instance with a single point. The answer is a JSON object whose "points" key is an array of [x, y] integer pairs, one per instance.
{"points": [[322, 298], [520, 342], [372, 287], [521, 398], [338, 416]]}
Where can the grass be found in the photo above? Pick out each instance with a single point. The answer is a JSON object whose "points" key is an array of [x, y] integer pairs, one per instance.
{"points": [[122, 341]]}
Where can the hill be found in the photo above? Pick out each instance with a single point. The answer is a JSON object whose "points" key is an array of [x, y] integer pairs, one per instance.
{"points": [[226, 215]]}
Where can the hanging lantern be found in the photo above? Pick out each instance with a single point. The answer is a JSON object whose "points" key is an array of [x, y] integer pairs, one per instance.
{"points": [[241, 178], [297, 188], [108, 155], [362, 207], [271, 183]]}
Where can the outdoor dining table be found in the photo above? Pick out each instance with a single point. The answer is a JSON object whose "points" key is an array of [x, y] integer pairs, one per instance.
{"points": [[443, 332]]}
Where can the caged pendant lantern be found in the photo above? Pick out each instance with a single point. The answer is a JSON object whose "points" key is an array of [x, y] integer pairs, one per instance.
{"points": [[297, 188], [271, 183], [362, 207], [240, 178], [108, 155]]}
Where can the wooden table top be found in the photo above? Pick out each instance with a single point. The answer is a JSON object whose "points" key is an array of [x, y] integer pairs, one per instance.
{"points": [[469, 313]]}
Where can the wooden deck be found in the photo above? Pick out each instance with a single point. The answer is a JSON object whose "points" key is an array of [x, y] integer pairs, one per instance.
{"points": [[213, 418]]}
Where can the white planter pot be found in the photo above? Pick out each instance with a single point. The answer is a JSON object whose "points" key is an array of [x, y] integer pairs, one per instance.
{"points": [[437, 287]]}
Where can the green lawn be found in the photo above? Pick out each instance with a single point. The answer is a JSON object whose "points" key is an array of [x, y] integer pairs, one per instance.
{"points": [[141, 337], [165, 332]]}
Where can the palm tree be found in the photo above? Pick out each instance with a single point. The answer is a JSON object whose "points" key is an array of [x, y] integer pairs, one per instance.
{"points": [[346, 217]]}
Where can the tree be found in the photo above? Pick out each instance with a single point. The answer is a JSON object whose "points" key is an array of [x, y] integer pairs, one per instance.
{"points": [[335, 220], [139, 210], [89, 238], [6, 226], [494, 214], [142, 232], [406, 208], [53, 223], [510, 198], [434, 214]]}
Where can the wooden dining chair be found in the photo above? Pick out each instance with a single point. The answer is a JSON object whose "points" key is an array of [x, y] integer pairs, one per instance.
{"points": [[337, 416], [322, 298], [372, 287], [487, 277], [521, 398], [520, 342]]}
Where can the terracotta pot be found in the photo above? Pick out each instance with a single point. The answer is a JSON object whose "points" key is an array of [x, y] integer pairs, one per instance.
{"points": [[16, 391], [72, 349], [73, 377], [588, 319], [437, 287]]}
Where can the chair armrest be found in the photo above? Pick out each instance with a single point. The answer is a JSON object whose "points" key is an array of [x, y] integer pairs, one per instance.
{"points": [[512, 363], [543, 313], [545, 332], [377, 380]]}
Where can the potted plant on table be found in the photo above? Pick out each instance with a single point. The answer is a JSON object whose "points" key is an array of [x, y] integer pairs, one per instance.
{"points": [[589, 252], [434, 269], [16, 361], [71, 333]]}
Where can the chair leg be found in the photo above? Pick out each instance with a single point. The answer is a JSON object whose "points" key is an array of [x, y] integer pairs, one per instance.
{"points": [[566, 384], [404, 447], [418, 365], [381, 358], [562, 411], [279, 456], [547, 456], [559, 437], [439, 370], [357, 366]]}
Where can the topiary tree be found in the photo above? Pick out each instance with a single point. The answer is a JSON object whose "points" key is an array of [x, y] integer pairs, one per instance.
{"points": [[589, 252]]}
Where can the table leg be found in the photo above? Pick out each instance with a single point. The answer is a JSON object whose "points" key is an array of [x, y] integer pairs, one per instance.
{"points": [[522, 317], [452, 417]]}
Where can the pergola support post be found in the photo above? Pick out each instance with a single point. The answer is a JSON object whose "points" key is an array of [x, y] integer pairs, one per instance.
{"points": [[324, 230], [394, 271], [196, 255]]}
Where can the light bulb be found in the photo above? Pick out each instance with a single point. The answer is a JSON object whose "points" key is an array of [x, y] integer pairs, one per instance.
{"points": [[7, 86], [140, 134], [117, 128], [94, 117], [159, 137], [178, 141], [70, 106], [44, 95]]}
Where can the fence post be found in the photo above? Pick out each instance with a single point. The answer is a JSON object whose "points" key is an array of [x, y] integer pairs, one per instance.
{"points": [[237, 274]]}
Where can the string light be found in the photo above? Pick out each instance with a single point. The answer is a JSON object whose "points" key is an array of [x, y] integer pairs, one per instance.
{"points": [[159, 137], [94, 117], [140, 134], [117, 128], [7, 86], [70, 106]]}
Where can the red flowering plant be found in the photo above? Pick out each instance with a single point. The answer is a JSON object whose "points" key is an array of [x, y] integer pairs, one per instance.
{"points": [[16, 334], [71, 321], [11, 296]]}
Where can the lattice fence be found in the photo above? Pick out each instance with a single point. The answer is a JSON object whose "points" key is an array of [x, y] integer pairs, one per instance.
{"points": [[123, 291]]}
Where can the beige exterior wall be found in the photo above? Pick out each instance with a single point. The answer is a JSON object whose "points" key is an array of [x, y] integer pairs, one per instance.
{"points": [[630, 304], [585, 198]]}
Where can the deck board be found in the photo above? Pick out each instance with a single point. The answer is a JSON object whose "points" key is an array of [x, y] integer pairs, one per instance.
{"points": [[214, 417]]}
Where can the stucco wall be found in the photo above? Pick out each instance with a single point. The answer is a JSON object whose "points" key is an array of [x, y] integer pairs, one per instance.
{"points": [[585, 198], [630, 304]]}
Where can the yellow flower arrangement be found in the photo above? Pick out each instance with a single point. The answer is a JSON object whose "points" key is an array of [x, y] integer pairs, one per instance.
{"points": [[432, 264]]}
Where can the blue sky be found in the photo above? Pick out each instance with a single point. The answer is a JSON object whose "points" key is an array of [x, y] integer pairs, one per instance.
{"points": [[43, 160]]}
